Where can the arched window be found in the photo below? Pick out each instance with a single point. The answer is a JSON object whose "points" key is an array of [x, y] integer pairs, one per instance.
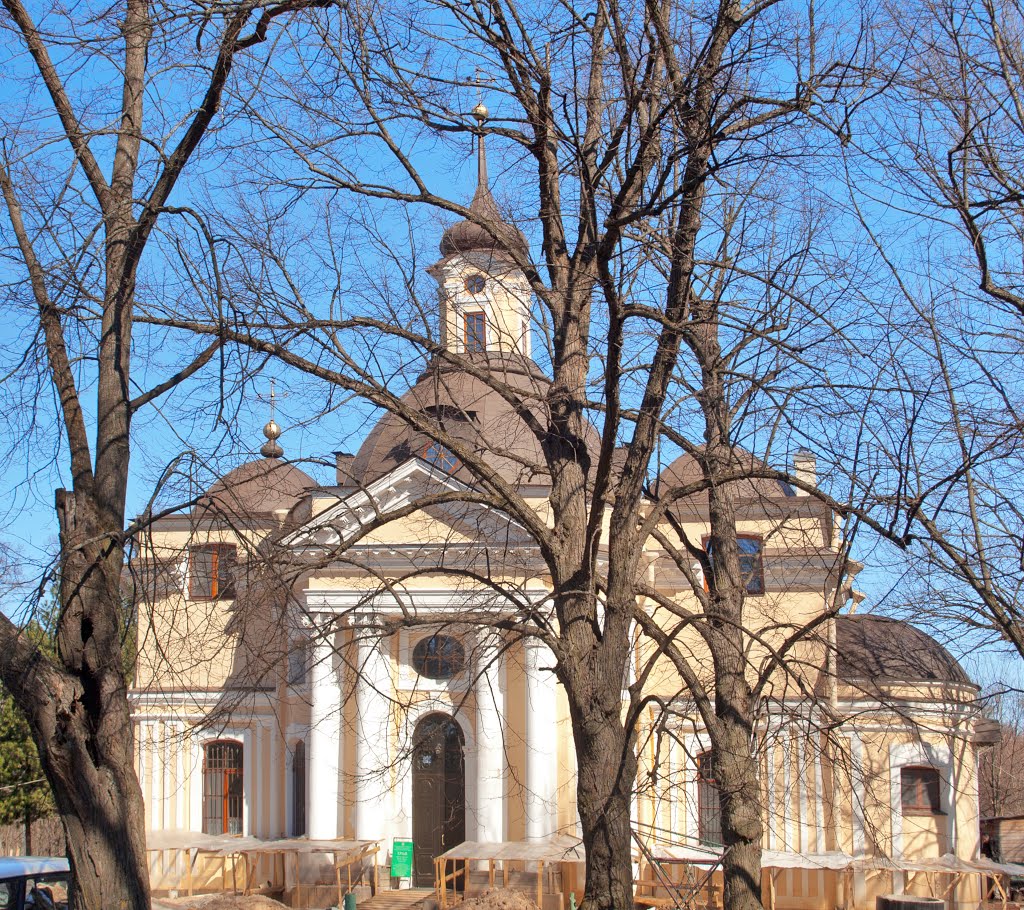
{"points": [[709, 804], [222, 788], [299, 789], [438, 657]]}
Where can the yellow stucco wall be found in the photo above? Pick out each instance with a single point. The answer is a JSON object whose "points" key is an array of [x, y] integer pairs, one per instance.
{"points": [[821, 792]]}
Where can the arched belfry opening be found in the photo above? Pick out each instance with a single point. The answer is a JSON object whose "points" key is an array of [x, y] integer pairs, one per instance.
{"points": [[438, 792]]}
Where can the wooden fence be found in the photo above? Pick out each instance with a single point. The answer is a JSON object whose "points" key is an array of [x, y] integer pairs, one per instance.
{"points": [[45, 838]]}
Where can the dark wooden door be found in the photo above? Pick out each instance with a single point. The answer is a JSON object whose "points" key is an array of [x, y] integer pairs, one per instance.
{"points": [[438, 793]]}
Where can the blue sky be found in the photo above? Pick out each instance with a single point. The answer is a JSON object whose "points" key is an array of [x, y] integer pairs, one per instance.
{"points": [[237, 180]]}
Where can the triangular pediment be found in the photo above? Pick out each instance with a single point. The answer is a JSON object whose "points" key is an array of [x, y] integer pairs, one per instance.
{"points": [[413, 488]]}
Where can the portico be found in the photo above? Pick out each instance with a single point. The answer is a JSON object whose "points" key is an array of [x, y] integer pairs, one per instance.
{"points": [[362, 747]]}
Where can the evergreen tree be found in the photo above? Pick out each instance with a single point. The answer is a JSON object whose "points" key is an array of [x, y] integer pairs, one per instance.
{"points": [[23, 789]]}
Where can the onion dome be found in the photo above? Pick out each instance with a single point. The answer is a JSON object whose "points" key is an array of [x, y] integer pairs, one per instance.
{"points": [[876, 649], [470, 237], [469, 409], [489, 232], [271, 448]]}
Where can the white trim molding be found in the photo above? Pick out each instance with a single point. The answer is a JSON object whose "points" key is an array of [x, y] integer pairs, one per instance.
{"points": [[202, 738], [935, 755]]}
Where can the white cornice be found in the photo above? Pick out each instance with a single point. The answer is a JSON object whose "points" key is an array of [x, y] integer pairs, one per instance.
{"points": [[396, 490], [201, 698], [189, 521], [439, 601]]}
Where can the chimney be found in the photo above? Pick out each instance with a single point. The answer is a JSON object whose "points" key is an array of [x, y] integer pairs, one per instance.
{"points": [[805, 469], [342, 468]]}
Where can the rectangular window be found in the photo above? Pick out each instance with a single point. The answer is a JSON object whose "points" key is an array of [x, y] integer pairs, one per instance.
{"points": [[222, 788], [751, 562], [709, 803], [476, 332], [41, 891], [920, 791], [299, 659], [209, 572]]}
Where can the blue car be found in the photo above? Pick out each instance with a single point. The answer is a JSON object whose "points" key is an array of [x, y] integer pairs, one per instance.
{"points": [[35, 883]]}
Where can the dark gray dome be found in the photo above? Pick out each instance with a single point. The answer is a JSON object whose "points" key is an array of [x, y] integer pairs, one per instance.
{"points": [[686, 471], [878, 649], [256, 488], [469, 409]]}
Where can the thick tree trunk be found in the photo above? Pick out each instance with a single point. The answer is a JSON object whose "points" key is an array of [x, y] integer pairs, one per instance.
{"points": [[606, 771], [733, 748], [86, 751], [100, 803], [740, 790], [591, 670], [85, 731]]}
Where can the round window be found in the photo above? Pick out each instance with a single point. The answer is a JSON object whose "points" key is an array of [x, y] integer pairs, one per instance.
{"points": [[438, 657], [475, 284], [440, 457]]}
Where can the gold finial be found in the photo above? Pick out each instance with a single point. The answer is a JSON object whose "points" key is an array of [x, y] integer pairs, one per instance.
{"points": [[271, 448], [480, 114]]}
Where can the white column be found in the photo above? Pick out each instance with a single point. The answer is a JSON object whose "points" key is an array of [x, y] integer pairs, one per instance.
{"points": [[373, 711], [490, 745], [541, 742], [325, 736], [277, 825], [258, 810]]}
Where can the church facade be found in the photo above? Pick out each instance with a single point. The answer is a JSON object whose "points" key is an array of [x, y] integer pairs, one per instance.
{"points": [[343, 660]]}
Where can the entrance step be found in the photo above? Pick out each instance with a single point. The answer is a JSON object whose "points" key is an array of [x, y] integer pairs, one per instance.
{"points": [[406, 899]]}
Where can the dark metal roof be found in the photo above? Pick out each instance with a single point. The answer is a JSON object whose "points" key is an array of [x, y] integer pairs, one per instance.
{"points": [[255, 488], [686, 471], [470, 236], [469, 409], [879, 649]]}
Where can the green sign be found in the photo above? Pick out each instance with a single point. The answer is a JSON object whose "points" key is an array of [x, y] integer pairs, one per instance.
{"points": [[401, 859]]}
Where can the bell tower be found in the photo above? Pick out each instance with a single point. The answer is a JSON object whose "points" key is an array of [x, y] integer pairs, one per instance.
{"points": [[484, 295]]}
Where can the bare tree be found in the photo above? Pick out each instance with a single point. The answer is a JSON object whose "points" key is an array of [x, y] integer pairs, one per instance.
{"points": [[951, 242], [999, 768], [112, 105], [635, 136]]}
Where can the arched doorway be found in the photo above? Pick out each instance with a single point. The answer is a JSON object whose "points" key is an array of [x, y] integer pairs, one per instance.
{"points": [[438, 792]]}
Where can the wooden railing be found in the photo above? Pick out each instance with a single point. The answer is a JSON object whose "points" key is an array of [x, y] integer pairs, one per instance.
{"points": [[442, 877]]}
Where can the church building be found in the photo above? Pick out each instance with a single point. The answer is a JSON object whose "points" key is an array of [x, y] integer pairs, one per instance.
{"points": [[341, 661]]}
